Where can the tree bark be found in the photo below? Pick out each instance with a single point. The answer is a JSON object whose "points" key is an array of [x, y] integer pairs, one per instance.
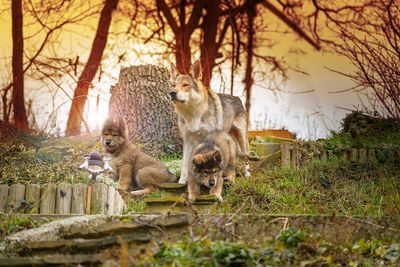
{"points": [[141, 97], [18, 100], [88, 73], [209, 46], [248, 79], [183, 52]]}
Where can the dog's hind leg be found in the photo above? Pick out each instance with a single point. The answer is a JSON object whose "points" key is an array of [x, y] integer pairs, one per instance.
{"points": [[142, 192], [239, 132]]}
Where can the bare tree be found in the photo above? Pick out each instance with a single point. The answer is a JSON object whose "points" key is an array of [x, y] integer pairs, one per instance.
{"points": [[40, 57], [18, 100], [88, 73], [374, 49]]}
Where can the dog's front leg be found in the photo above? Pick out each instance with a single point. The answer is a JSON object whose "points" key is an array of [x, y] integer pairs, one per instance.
{"points": [[125, 177], [193, 190], [187, 152]]}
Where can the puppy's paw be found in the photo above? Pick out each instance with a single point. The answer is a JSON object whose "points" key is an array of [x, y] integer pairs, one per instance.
{"points": [[219, 198]]}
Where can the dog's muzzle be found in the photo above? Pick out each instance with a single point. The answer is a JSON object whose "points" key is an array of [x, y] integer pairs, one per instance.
{"points": [[211, 183], [108, 142], [173, 95]]}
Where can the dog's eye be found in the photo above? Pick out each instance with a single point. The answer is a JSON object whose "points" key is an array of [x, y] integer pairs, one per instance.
{"points": [[215, 171], [186, 85], [205, 173]]}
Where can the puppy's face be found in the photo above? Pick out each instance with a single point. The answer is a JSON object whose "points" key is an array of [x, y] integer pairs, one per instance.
{"points": [[113, 135], [206, 168], [184, 87]]}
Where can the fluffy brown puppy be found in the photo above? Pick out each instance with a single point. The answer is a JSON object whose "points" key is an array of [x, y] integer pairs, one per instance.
{"points": [[132, 167]]}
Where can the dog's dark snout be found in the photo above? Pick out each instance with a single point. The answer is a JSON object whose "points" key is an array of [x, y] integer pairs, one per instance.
{"points": [[173, 94], [211, 182], [108, 142]]}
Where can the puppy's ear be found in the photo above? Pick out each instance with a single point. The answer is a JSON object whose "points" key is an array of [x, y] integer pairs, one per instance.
{"points": [[197, 160], [195, 70], [173, 71], [217, 156]]}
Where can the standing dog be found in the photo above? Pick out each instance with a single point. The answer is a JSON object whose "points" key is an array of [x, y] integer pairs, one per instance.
{"points": [[132, 167], [202, 111], [212, 162]]}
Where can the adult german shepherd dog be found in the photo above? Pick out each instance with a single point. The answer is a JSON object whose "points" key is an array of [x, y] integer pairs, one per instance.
{"points": [[202, 111]]}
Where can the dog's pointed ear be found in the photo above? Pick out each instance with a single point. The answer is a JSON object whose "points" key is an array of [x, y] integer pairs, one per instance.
{"points": [[217, 156], [173, 72], [195, 70], [197, 160]]}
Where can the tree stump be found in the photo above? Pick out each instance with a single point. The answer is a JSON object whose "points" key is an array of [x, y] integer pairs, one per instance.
{"points": [[141, 97]]}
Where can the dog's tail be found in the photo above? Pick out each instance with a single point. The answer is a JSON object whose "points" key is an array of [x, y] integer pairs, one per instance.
{"points": [[247, 156]]}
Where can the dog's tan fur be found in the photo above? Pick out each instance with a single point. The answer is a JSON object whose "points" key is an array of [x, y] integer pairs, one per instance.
{"points": [[132, 168], [202, 111]]}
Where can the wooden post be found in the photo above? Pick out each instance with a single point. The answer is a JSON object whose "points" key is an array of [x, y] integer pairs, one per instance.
{"points": [[353, 155], [3, 197], [48, 198], [15, 197], [78, 202], [295, 155], [372, 155], [111, 200], [99, 198], [362, 155], [32, 196], [344, 155], [285, 153], [89, 198], [324, 155], [63, 201], [118, 204]]}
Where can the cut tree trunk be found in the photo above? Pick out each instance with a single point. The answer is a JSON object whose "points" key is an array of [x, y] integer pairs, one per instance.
{"points": [[141, 97], [18, 100], [88, 73]]}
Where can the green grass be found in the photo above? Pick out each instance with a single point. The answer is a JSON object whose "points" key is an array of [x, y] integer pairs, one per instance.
{"points": [[318, 188], [290, 248]]}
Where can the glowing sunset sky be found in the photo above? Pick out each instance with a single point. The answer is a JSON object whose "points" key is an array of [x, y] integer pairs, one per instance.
{"points": [[310, 115]]}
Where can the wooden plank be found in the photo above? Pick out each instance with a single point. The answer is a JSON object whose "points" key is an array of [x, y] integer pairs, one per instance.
{"points": [[344, 155], [295, 155], [353, 154], [99, 199], [324, 155], [32, 196], [286, 153], [270, 133], [64, 197], [118, 204], [16, 196], [78, 202], [110, 200], [89, 198], [362, 155], [372, 155], [3, 197], [48, 198], [265, 149]]}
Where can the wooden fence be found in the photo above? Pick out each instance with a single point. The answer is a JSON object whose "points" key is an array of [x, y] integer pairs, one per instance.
{"points": [[291, 154], [63, 199]]}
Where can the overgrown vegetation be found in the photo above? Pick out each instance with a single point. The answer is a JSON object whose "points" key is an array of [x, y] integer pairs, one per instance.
{"points": [[52, 164], [318, 187], [290, 248], [11, 223]]}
